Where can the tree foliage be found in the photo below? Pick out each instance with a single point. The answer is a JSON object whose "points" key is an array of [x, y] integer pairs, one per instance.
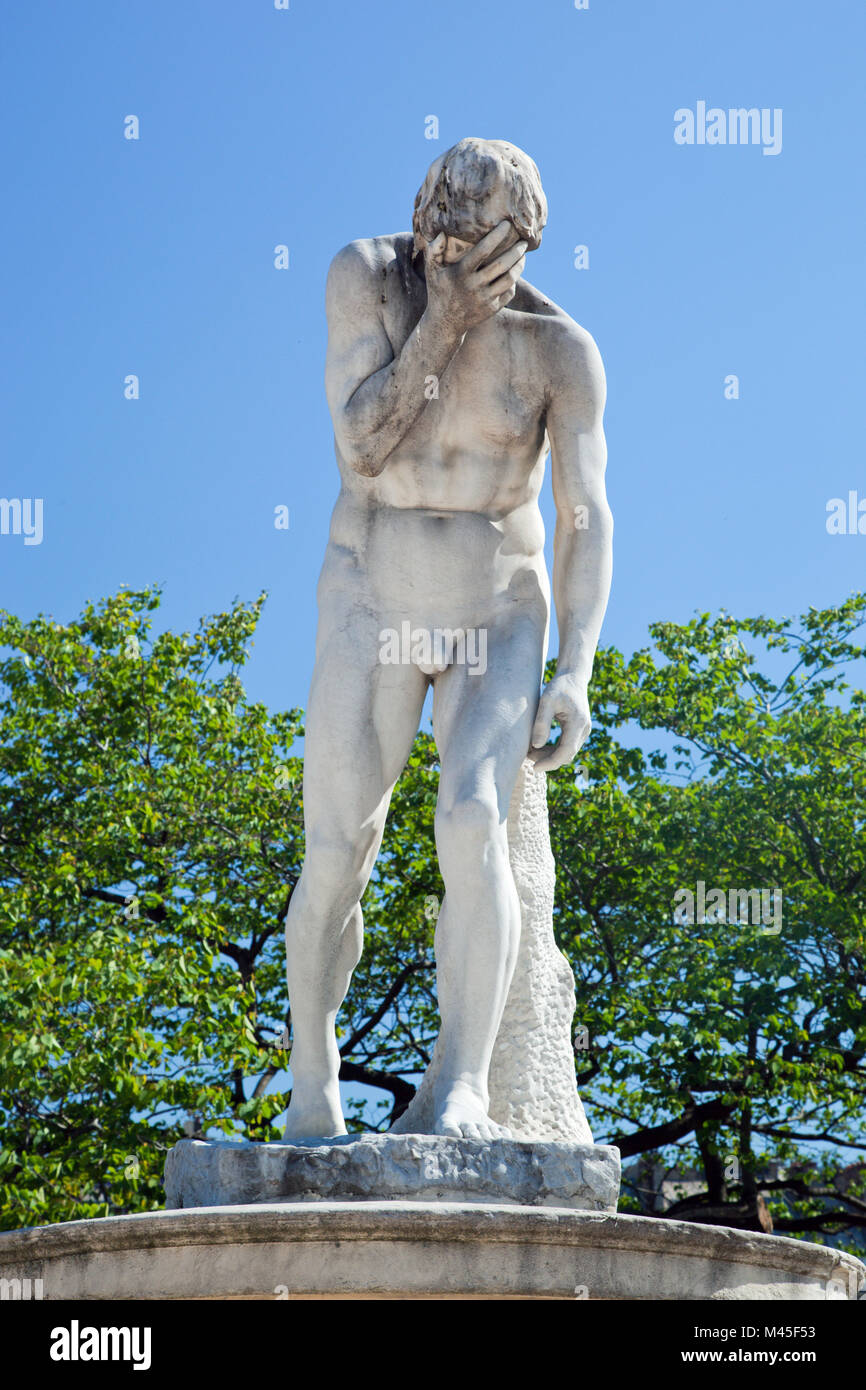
{"points": [[743, 1043], [151, 835]]}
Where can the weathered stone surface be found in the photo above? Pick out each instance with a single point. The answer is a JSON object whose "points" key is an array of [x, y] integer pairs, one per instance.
{"points": [[443, 365], [411, 1167], [532, 1084], [417, 1250]]}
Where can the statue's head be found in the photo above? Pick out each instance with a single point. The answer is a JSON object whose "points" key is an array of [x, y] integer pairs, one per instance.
{"points": [[470, 189]]}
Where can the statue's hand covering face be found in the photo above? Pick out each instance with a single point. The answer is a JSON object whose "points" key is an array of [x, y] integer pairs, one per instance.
{"points": [[472, 187]]}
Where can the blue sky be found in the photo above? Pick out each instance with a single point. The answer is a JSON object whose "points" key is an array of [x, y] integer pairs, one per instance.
{"points": [[307, 127]]}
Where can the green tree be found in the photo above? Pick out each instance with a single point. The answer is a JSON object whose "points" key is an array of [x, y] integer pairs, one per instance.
{"points": [[743, 1044], [151, 835], [149, 841]]}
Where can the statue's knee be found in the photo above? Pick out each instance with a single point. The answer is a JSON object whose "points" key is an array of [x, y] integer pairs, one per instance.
{"points": [[469, 831], [336, 869]]}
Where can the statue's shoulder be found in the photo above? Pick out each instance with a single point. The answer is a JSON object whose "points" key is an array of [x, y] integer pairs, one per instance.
{"points": [[554, 319], [567, 341], [361, 261]]}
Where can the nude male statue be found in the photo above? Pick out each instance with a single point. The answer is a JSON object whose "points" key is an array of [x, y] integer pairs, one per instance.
{"points": [[447, 377]]}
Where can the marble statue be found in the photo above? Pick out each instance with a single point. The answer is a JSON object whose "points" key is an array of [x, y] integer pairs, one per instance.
{"points": [[449, 379]]}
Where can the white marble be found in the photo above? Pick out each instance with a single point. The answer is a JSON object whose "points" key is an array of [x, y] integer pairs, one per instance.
{"points": [[533, 1089], [449, 378]]}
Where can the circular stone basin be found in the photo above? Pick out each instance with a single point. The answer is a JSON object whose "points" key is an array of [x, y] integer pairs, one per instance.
{"points": [[415, 1250]]}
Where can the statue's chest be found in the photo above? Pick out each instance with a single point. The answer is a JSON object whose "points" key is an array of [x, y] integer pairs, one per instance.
{"points": [[484, 394], [489, 392]]}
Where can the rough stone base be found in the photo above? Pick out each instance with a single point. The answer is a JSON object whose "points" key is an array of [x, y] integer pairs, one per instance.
{"points": [[394, 1167], [532, 1083], [416, 1250]]}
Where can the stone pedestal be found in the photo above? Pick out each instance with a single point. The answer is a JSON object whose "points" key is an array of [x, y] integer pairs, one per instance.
{"points": [[416, 1250], [397, 1168], [408, 1217]]}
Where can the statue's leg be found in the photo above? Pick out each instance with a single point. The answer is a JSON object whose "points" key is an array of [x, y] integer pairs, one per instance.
{"points": [[482, 725], [360, 723]]}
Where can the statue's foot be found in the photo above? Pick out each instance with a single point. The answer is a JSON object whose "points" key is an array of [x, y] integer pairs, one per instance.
{"points": [[463, 1115], [315, 1112]]}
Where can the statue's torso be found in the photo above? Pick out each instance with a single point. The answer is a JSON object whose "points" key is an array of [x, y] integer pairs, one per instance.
{"points": [[454, 514]]}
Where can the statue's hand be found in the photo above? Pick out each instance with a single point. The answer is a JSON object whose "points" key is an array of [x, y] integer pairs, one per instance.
{"points": [[468, 291], [565, 701]]}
